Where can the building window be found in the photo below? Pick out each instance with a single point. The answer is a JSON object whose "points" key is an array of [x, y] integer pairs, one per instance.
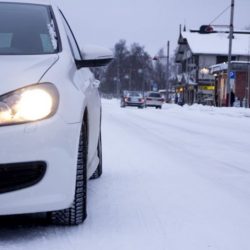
{"points": [[222, 59]]}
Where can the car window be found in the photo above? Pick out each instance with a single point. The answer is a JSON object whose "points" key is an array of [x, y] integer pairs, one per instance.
{"points": [[27, 29], [71, 39], [157, 95], [135, 94]]}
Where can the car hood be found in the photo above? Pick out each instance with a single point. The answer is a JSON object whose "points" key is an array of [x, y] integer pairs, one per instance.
{"points": [[19, 71]]}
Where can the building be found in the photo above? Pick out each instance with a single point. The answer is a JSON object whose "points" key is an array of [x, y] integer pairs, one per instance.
{"points": [[239, 83], [195, 54]]}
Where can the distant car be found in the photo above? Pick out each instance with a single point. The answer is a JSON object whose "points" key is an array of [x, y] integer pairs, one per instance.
{"points": [[132, 98], [154, 99]]}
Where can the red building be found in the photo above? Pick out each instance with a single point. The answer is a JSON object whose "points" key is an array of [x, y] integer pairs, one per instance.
{"points": [[239, 83]]}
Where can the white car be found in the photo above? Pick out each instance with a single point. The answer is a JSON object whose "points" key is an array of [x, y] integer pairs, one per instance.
{"points": [[132, 98], [154, 99], [50, 113]]}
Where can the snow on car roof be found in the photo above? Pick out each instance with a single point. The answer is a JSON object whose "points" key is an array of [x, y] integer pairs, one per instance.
{"points": [[46, 2], [217, 43]]}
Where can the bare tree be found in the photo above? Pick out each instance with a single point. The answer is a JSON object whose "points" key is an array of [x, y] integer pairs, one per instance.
{"points": [[131, 69]]}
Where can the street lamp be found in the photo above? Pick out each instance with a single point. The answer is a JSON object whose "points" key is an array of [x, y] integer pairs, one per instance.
{"points": [[140, 72], [204, 71], [127, 77], [167, 66], [117, 81]]}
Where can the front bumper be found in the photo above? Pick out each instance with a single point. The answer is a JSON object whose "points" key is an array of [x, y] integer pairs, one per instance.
{"points": [[53, 142]]}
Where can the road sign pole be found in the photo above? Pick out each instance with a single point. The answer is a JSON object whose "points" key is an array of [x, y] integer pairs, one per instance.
{"points": [[230, 54]]}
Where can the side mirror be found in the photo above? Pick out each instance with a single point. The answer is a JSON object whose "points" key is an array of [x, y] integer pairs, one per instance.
{"points": [[94, 56]]}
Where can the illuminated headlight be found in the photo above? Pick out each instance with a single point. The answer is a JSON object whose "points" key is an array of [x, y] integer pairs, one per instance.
{"points": [[32, 103]]}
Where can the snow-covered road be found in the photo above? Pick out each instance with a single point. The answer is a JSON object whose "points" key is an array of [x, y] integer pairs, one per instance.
{"points": [[174, 179]]}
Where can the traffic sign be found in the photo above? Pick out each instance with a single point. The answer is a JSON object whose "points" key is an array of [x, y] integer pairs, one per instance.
{"points": [[154, 86], [232, 75]]}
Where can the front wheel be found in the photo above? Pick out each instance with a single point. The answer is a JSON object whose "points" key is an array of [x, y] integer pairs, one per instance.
{"points": [[77, 213]]}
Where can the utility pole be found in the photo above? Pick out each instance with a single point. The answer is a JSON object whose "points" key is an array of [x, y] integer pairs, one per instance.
{"points": [[231, 32], [248, 85], [118, 82], [248, 78], [167, 74]]}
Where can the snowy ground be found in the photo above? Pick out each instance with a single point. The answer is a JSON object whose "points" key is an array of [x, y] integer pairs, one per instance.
{"points": [[175, 179]]}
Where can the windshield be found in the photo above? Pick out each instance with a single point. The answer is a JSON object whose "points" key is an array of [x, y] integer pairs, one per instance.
{"points": [[135, 94], [26, 29], [157, 95]]}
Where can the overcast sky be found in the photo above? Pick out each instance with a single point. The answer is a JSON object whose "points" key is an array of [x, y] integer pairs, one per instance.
{"points": [[148, 22]]}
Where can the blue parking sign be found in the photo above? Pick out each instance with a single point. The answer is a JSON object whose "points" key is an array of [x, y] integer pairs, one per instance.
{"points": [[232, 75], [154, 86]]}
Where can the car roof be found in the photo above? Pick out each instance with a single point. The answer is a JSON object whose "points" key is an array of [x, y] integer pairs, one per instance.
{"points": [[44, 2]]}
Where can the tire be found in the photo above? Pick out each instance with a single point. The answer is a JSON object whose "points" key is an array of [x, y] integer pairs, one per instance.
{"points": [[77, 213], [98, 172], [122, 104]]}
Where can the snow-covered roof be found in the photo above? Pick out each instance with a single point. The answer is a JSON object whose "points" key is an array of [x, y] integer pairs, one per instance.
{"points": [[45, 2], [217, 43]]}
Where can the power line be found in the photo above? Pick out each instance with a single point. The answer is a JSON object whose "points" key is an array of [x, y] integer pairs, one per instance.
{"points": [[223, 12]]}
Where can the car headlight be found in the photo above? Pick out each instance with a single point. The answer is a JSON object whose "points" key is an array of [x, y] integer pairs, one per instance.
{"points": [[31, 103]]}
